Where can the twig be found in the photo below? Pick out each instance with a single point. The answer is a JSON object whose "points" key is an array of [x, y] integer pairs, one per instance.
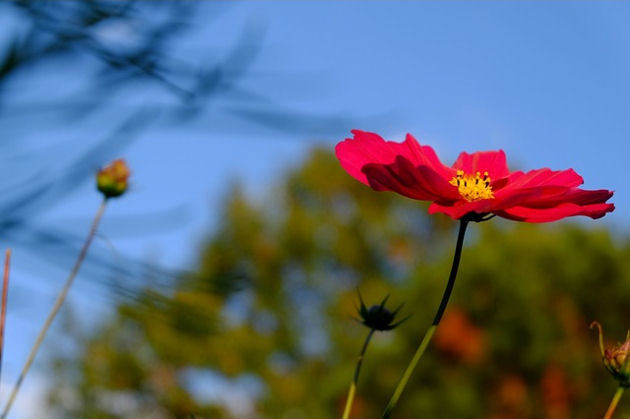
{"points": [[58, 303], [3, 308]]}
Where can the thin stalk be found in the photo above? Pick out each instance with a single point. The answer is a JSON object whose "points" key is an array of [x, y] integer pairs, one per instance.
{"points": [[3, 308], [436, 321], [58, 303], [355, 380], [613, 403]]}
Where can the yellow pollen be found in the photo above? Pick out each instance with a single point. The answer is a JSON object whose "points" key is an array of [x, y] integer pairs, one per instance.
{"points": [[473, 188]]}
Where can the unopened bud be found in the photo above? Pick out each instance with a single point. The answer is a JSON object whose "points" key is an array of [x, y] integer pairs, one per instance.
{"points": [[112, 180], [616, 358], [378, 317]]}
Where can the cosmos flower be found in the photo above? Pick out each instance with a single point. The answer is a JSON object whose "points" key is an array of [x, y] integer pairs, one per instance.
{"points": [[478, 185]]}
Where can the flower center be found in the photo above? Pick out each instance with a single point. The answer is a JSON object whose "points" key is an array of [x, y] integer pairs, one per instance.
{"points": [[473, 188]]}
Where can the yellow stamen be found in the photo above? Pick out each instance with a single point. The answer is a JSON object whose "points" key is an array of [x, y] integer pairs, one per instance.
{"points": [[473, 188]]}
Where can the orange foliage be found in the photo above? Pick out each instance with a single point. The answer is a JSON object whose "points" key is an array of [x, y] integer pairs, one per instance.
{"points": [[555, 393], [458, 337]]}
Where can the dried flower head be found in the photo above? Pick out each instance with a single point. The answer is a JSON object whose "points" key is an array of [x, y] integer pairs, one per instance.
{"points": [[378, 317], [616, 358], [112, 180]]}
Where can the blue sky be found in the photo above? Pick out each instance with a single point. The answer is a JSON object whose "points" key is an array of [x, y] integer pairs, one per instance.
{"points": [[547, 82]]}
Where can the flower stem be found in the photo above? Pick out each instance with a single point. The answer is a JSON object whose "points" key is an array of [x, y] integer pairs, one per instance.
{"points": [[436, 321], [3, 307], [58, 303], [355, 379], [613, 403]]}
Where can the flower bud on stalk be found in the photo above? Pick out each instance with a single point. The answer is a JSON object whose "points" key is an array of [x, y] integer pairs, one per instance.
{"points": [[377, 317], [616, 358], [617, 362], [112, 180]]}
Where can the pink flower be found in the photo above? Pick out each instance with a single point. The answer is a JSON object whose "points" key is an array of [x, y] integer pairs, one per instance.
{"points": [[476, 185]]}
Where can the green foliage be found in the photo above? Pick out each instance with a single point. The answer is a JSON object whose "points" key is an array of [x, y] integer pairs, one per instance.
{"points": [[275, 291]]}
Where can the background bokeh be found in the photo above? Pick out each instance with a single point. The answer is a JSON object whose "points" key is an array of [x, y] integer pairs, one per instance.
{"points": [[224, 283]]}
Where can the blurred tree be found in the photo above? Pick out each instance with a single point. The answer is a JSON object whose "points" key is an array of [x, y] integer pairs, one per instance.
{"points": [[263, 328]]}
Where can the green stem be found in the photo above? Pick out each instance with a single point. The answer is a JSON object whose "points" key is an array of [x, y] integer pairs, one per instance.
{"points": [[58, 303], [436, 321], [355, 379], [613, 403]]}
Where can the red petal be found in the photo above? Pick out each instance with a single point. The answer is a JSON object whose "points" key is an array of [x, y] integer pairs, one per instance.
{"points": [[545, 188], [535, 215], [461, 208], [425, 156], [402, 176], [492, 162], [510, 197], [571, 195], [391, 178], [544, 177], [406, 168], [369, 148]]}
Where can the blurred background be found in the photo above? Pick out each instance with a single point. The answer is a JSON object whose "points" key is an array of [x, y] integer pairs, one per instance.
{"points": [[223, 285]]}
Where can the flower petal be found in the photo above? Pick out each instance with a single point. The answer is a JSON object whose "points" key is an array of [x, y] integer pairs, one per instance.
{"points": [[493, 162], [401, 176], [571, 195], [390, 178], [369, 148], [509, 197], [546, 177], [536, 215], [545, 188], [426, 156], [460, 208]]}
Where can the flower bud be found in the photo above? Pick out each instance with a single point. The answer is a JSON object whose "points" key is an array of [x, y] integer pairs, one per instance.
{"points": [[112, 180], [377, 317], [616, 358]]}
